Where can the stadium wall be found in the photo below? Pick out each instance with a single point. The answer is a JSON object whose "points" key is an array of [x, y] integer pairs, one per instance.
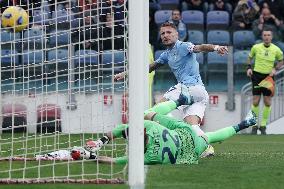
{"points": [[276, 127], [217, 117], [93, 111]]}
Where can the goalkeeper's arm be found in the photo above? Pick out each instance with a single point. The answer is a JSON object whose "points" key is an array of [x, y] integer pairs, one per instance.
{"points": [[119, 160]]}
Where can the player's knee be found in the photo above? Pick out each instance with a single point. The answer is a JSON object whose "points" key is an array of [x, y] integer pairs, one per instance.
{"points": [[192, 119], [255, 101], [149, 115]]}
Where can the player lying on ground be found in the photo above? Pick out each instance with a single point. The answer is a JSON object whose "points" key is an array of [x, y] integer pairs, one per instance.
{"points": [[167, 140]]}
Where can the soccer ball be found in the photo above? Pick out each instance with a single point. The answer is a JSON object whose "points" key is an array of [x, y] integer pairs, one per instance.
{"points": [[15, 18]]}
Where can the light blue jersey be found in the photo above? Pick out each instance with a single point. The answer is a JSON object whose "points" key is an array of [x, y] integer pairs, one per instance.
{"points": [[183, 63]]}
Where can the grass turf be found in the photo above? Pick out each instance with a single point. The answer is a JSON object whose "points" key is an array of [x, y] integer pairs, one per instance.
{"points": [[241, 162]]}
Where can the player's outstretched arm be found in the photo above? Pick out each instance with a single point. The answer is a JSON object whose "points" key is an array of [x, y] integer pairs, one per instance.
{"points": [[222, 50], [154, 66], [120, 160], [118, 132], [120, 76], [107, 160]]}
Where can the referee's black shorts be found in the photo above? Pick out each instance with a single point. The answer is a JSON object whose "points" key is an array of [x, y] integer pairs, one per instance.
{"points": [[256, 78]]}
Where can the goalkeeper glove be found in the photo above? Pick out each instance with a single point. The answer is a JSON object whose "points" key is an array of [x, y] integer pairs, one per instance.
{"points": [[79, 153]]}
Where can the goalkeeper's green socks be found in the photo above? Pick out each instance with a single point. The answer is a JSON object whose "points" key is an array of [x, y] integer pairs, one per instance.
{"points": [[265, 115], [220, 135], [162, 108], [227, 132]]}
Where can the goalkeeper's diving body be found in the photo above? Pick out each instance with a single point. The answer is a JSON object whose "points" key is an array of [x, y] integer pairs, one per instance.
{"points": [[182, 59], [166, 140]]}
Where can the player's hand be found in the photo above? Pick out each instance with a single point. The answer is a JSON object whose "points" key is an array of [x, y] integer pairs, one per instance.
{"points": [[119, 76], [273, 72], [249, 72], [222, 50]]}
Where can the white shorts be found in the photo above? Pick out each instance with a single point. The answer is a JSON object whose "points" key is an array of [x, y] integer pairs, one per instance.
{"points": [[200, 97]]}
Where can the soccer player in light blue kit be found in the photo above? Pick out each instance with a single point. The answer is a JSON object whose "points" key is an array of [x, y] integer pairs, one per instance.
{"points": [[181, 58]]}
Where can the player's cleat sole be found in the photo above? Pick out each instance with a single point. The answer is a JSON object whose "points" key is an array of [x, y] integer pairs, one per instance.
{"points": [[209, 152]]}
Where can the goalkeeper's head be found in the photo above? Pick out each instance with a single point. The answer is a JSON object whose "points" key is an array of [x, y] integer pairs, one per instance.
{"points": [[169, 34]]}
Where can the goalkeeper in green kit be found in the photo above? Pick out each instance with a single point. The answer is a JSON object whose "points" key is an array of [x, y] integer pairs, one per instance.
{"points": [[167, 140]]}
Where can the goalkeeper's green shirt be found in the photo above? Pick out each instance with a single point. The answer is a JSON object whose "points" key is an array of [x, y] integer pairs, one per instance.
{"points": [[172, 145], [265, 57]]}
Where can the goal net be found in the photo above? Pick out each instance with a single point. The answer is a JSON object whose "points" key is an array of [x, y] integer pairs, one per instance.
{"points": [[57, 90]]}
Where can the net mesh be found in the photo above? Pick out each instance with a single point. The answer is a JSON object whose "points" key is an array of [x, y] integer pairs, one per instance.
{"points": [[57, 89]]}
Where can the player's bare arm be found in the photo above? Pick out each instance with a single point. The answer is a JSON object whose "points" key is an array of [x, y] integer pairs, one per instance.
{"points": [[154, 66], [222, 50], [120, 76]]}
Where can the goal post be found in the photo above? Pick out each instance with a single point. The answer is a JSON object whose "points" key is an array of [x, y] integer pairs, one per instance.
{"points": [[138, 87], [57, 91]]}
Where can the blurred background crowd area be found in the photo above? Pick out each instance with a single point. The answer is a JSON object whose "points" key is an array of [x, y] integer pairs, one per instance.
{"points": [[100, 26], [236, 23]]}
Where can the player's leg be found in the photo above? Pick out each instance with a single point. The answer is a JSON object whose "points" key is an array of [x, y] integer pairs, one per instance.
{"points": [[183, 98], [157, 113], [193, 116], [255, 108], [162, 108], [265, 112], [119, 131], [256, 92], [227, 132]]}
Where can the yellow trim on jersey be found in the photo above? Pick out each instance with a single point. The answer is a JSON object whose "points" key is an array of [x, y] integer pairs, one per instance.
{"points": [[265, 57]]}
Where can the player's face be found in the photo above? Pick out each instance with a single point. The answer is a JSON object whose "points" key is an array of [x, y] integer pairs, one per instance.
{"points": [[176, 15], [169, 35], [267, 37]]}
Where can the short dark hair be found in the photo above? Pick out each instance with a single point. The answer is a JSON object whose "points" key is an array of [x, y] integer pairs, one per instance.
{"points": [[176, 10], [267, 29], [168, 24]]}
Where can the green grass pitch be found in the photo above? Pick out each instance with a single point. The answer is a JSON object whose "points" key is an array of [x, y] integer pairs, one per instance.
{"points": [[241, 162]]}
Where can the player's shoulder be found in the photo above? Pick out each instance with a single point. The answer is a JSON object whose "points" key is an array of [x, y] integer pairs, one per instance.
{"points": [[275, 47], [186, 46], [186, 43], [258, 45]]}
